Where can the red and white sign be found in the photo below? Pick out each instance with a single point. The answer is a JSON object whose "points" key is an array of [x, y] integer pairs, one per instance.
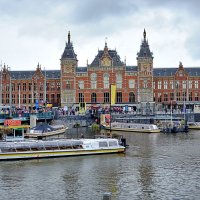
{"points": [[11, 122]]}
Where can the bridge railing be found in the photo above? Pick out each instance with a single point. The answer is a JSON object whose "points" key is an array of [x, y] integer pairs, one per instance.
{"points": [[47, 115]]}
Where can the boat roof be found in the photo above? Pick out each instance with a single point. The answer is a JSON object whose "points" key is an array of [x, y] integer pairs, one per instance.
{"points": [[98, 139], [132, 123], [43, 127], [68, 140]]}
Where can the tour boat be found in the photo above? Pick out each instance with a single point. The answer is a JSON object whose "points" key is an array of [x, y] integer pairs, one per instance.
{"points": [[173, 126], [133, 127], [45, 130], [194, 125], [35, 149]]}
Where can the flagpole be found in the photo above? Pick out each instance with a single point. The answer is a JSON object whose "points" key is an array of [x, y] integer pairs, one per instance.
{"points": [[45, 94], [112, 99], [19, 95]]}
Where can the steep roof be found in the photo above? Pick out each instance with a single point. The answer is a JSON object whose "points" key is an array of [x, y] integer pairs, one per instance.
{"points": [[116, 61], [69, 50], [21, 75], [131, 68], [144, 48], [171, 71], [81, 69]]}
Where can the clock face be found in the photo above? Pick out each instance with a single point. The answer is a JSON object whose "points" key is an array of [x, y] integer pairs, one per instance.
{"points": [[144, 67], [106, 62], [68, 69]]}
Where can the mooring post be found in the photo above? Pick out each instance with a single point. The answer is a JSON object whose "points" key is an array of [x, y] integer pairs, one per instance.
{"points": [[107, 196]]}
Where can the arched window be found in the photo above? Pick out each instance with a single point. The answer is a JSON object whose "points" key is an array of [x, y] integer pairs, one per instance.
{"points": [[119, 80], [131, 97], [106, 80], [93, 97], [93, 81]]}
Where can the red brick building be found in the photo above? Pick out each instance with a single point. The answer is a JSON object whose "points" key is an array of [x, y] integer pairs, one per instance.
{"points": [[138, 86], [23, 88]]}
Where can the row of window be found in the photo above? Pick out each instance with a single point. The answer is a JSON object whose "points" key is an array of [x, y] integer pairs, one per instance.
{"points": [[106, 84], [178, 96], [160, 84], [28, 98], [106, 97], [176, 84], [28, 86]]}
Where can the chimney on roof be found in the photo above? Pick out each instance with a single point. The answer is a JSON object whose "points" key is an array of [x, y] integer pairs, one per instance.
{"points": [[180, 65]]}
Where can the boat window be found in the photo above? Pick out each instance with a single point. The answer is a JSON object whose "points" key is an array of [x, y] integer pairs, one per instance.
{"points": [[7, 148], [103, 144], [18, 132], [113, 143], [37, 146]]}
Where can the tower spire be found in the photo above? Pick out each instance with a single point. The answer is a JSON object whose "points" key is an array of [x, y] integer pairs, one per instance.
{"points": [[106, 42], [106, 46], [144, 34], [69, 37]]}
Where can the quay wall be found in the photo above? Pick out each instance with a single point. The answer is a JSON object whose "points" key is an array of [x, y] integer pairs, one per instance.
{"points": [[87, 120], [71, 120]]}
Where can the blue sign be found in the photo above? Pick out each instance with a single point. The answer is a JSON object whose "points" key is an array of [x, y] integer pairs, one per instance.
{"points": [[36, 104], [126, 108]]}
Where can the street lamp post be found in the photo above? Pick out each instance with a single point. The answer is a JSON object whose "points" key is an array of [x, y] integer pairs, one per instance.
{"points": [[45, 94], [10, 92], [19, 94]]}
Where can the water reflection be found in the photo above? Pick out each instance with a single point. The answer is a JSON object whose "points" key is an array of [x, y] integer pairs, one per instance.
{"points": [[156, 166]]}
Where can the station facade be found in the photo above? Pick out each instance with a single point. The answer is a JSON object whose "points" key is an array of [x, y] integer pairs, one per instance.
{"points": [[140, 86]]}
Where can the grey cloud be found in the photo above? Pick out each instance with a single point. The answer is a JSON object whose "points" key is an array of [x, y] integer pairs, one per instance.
{"points": [[50, 19], [89, 11], [192, 45]]}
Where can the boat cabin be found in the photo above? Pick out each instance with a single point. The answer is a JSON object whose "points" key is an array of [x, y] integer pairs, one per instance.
{"points": [[13, 130], [57, 145]]}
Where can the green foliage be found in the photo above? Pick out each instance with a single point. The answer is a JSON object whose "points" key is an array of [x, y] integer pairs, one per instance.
{"points": [[95, 126], [4, 131], [76, 125]]}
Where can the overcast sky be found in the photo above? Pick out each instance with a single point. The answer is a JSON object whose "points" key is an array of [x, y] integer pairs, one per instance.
{"points": [[33, 31]]}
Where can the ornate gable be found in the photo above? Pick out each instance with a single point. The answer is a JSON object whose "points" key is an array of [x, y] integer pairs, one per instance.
{"points": [[106, 58], [38, 73], [181, 71]]}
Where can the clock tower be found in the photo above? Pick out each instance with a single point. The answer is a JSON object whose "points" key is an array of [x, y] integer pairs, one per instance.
{"points": [[106, 60], [68, 63], [145, 73]]}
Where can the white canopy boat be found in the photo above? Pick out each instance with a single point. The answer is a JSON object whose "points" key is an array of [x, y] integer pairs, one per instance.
{"points": [[35, 149], [194, 125], [133, 127], [45, 130]]}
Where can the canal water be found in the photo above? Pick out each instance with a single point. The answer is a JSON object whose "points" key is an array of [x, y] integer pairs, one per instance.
{"points": [[155, 166]]}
